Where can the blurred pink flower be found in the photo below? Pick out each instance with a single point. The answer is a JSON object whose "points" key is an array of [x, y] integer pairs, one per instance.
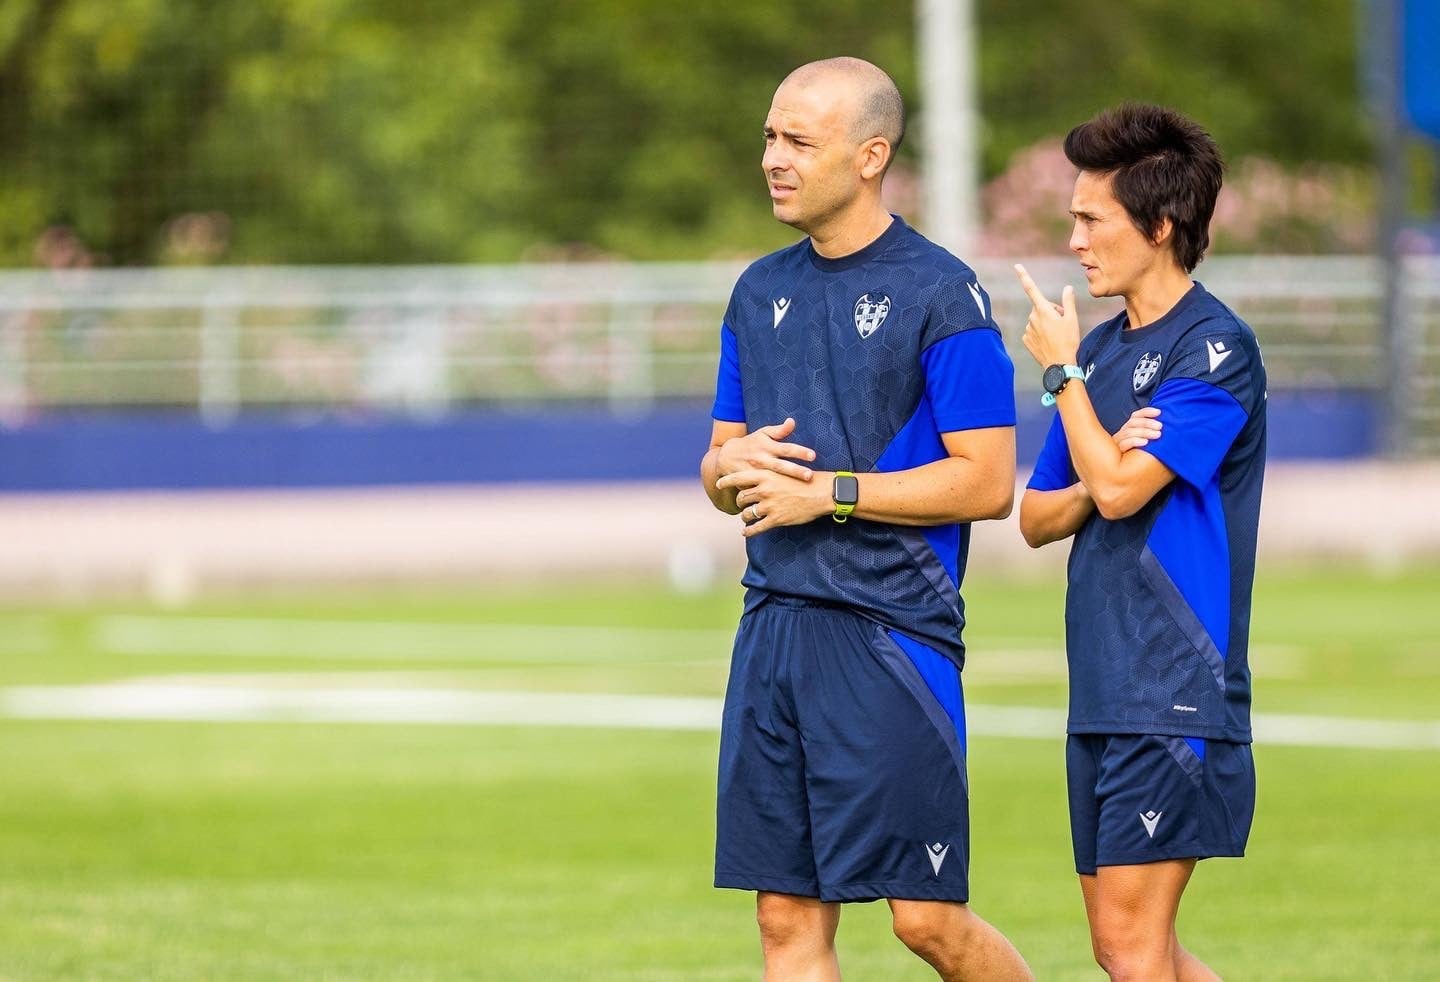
{"points": [[1263, 207]]}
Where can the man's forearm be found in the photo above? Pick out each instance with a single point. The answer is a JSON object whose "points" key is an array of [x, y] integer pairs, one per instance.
{"points": [[955, 489], [721, 498]]}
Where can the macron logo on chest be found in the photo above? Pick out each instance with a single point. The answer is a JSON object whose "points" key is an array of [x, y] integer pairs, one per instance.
{"points": [[782, 307]]}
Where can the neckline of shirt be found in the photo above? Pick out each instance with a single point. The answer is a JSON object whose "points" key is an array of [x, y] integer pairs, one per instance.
{"points": [[1134, 335], [859, 256]]}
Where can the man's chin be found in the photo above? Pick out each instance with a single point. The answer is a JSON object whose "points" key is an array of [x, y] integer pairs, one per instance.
{"points": [[787, 216]]}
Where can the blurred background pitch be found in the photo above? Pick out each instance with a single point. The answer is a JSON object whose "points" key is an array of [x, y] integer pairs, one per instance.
{"points": [[355, 363]]}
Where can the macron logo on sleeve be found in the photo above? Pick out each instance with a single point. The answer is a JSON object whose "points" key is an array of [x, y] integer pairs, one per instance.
{"points": [[1218, 353], [978, 298]]}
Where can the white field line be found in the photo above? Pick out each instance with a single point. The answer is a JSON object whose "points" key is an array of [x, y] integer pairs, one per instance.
{"points": [[209, 703], [157, 700], [249, 637], [994, 660]]}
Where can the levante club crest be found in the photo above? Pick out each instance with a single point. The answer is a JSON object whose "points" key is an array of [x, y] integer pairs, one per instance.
{"points": [[1145, 370], [870, 312]]}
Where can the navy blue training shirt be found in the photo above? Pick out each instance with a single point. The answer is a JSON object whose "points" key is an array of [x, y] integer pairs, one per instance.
{"points": [[875, 355], [1157, 614]]}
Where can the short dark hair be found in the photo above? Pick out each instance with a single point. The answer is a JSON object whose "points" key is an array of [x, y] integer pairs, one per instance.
{"points": [[1161, 164]]}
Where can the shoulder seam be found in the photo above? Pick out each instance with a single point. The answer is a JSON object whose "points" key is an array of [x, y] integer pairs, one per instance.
{"points": [[987, 326]]}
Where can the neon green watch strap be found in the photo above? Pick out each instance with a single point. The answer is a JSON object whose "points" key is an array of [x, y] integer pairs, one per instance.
{"points": [[846, 493]]}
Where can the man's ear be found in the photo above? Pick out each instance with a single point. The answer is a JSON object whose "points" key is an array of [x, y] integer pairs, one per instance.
{"points": [[875, 156]]}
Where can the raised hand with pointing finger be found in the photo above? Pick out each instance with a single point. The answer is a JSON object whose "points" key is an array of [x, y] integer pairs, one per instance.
{"points": [[1052, 334]]}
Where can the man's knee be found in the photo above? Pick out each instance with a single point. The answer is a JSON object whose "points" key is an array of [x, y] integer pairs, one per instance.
{"points": [[929, 929], [787, 922]]}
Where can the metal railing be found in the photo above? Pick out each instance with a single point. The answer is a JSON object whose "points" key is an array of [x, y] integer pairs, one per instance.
{"points": [[421, 340]]}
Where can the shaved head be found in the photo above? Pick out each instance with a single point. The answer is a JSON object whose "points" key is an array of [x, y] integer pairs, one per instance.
{"points": [[875, 107], [830, 137]]}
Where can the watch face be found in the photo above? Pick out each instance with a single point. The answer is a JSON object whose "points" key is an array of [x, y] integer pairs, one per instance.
{"points": [[1053, 379], [847, 489]]}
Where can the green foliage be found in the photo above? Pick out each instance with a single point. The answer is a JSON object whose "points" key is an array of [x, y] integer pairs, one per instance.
{"points": [[440, 130], [1278, 80]]}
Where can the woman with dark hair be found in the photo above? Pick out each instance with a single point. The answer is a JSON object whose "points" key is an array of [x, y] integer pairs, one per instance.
{"points": [[1154, 463]]}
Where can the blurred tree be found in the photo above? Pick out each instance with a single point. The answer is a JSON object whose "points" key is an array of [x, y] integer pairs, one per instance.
{"points": [[326, 130], [1275, 79], [141, 131]]}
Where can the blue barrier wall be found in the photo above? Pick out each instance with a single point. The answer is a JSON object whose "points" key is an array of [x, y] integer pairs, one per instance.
{"points": [[138, 451]]}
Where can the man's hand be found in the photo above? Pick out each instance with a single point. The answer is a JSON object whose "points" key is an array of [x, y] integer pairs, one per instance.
{"points": [[1142, 427], [1052, 334], [762, 450], [769, 500]]}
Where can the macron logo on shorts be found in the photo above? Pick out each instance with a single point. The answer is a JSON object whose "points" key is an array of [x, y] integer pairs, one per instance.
{"points": [[1150, 819], [937, 854]]}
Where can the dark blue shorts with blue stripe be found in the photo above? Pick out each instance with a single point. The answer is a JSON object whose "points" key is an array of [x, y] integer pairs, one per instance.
{"points": [[842, 761]]}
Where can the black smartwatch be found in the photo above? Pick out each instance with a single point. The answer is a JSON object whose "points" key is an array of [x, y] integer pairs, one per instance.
{"points": [[846, 492], [1055, 379]]}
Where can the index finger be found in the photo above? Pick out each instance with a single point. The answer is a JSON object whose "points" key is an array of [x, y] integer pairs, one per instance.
{"points": [[793, 450], [741, 479], [1031, 290]]}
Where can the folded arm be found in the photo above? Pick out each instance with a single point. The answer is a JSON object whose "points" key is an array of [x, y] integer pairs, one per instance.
{"points": [[1050, 515], [1118, 481], [975, 481]]}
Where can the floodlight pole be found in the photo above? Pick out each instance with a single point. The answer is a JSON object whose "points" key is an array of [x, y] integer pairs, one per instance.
{"points": [[1383, 64], [945, 48]]}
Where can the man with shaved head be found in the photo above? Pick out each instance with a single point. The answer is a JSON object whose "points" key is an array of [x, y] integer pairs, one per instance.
{"points": [[864, 417]]}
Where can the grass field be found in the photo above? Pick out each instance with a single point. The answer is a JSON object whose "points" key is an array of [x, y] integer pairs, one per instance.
{"points": [[289, 850]]}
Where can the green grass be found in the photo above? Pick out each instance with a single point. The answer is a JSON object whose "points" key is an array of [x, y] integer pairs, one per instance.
{"points": [[280, 851]]}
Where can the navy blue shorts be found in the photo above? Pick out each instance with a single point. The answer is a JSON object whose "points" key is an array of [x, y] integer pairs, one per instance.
{"points": [[842, 761], [1141, 799]]}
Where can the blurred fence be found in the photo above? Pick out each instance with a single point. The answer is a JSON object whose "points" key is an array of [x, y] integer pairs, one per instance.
{"points": [[421, 342]]}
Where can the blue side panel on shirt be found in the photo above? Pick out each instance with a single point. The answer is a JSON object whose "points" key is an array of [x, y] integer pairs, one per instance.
{"points": [[729, 395], [918, 443], [945, 540], [1190, 541], [1189, 536], [941, 677]]}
